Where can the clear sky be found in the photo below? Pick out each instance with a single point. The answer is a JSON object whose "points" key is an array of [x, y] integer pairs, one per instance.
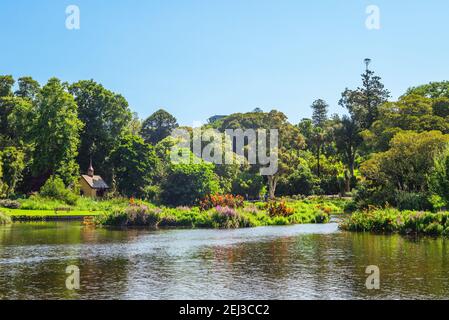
{"points": [[198, 58]]}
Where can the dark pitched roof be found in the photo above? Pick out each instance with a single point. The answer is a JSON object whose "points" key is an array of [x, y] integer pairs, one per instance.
{"points": [[95, 182]]}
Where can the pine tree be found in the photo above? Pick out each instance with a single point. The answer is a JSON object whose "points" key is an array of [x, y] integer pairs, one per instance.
{"points": [[319, 116]]}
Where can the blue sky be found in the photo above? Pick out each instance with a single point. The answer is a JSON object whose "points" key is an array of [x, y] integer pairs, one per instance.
{"points": [[197, 58]]}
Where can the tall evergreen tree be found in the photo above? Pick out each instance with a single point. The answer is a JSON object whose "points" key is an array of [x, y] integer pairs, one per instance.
{"points": [[320, 109], [363, 102]]}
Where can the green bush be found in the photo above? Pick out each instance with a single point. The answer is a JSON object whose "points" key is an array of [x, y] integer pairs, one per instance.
{"points": [[411, 201], [137, 215], [439, 180], [392, 220], [249, 184], [229, 218], [187, 184], [54, 188], [10, 204], [4, 219], [302, 181]]}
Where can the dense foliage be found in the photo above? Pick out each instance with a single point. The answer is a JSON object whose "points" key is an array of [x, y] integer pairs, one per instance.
{"points": [[382, 152]]}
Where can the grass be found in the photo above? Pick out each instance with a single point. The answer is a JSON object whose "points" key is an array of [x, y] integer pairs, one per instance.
{"points": [[394, 221], [82, 204], [48, 213]]}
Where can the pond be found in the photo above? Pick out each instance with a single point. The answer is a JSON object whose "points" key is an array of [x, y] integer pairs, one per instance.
{"points": [[293, 262]]}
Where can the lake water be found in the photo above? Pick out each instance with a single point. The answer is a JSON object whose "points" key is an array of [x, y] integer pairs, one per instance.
{"points": [[294, 262]]}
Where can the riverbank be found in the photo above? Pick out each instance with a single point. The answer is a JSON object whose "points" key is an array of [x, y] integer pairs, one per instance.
{"points": [[219, 217], [123, 212], [48, 215], [384, 221]]}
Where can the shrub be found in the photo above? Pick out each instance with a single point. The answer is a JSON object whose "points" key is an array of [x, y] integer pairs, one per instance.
{"points": [[404, 222], [135, 215], [228, 218], [187, 184], [350, 207], [322, 217], [4, 219], [10, 204], [439, 179], [279, 209], [301, 181], [228, 200], [412, 201], [184, 217], [248, 183], [54, 188]]}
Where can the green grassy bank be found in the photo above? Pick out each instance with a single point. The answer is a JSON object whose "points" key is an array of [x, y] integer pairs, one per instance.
{"points": [[119, 212], [394, 221]]}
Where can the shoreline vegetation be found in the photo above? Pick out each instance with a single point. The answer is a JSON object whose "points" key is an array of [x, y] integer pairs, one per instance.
{"points": [[390, 220], [217, 212], [228, 212]]}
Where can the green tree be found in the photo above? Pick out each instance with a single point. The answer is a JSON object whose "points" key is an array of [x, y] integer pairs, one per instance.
{"points": [[301, 180], [348, 141], [16, 120], [433, 90], [439, 177], [320, 116], [290, 140], [134, 164], [106, 117], [28, 88], [408, 163], [363, 103], [187, 184], [412, 112], [13, 164], [56, 134], [6, 84], [158, 126]]}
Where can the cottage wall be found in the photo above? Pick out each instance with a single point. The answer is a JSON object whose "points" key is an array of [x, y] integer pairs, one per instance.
{"points": [[86, 189]]}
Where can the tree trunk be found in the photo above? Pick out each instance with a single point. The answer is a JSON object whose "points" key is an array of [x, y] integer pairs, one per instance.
{"points": [[272, 182], [318, 162]]}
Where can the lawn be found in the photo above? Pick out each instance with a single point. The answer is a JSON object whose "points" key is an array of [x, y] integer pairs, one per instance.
{"points": [[48, 213]]}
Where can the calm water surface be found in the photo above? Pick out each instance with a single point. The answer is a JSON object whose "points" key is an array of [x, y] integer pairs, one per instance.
{"points": [[295, 262]]}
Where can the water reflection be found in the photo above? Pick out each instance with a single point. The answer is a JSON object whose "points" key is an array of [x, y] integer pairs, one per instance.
{"points": [[295, 262]]}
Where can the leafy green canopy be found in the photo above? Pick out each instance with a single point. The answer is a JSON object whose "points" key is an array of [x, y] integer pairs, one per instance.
{"points": [[56, 134]]}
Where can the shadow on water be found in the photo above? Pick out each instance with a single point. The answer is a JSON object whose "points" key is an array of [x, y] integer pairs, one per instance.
{"points": [[294, 262]]}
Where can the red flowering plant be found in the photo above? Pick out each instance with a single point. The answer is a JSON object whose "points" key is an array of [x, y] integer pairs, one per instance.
{"points": [[217, 200], [279, 209]]}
